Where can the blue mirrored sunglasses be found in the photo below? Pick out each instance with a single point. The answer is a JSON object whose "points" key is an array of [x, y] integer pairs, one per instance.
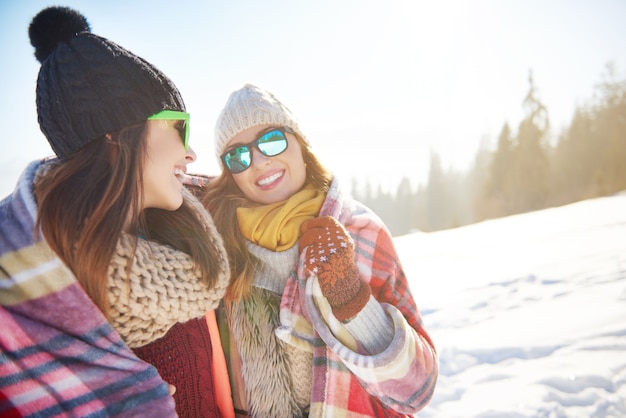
{"points": [[270, 143]]}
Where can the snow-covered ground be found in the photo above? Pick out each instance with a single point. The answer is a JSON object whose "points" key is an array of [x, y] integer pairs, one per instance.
{"points": [[528, 312]]}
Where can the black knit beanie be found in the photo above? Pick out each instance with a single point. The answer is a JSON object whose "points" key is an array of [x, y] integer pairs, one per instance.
{"points": [[89, 86]]}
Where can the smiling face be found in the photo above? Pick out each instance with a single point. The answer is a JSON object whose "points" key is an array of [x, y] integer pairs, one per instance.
{"points": [[270, 179], [165, 164]]}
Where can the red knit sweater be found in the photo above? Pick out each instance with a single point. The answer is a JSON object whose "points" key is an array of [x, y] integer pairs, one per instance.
{"points": [[183, 358]]}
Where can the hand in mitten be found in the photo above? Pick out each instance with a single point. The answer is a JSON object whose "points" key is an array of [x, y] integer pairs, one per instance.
{"points": [[330, 256]]}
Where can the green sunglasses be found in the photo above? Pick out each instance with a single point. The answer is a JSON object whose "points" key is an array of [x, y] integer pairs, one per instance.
{"points": [[175, 115]]}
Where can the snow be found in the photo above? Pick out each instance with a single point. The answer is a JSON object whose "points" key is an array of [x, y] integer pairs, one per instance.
{"points": [[527, 312]]}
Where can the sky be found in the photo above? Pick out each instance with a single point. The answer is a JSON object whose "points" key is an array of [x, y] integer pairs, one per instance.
{"points": [[377, 85], [527, 312]]}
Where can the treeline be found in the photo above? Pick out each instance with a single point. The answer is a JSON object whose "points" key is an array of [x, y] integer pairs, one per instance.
{"points": [[529, 169]]}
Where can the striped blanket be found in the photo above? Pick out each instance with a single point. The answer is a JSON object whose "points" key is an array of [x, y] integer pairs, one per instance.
{"points": [[58, 354]]}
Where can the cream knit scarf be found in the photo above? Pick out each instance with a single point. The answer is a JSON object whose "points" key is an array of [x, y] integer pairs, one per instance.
{"points": [[162, 286]]}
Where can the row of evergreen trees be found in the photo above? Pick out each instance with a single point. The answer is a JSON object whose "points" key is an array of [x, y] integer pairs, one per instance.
{"points": [[528, 170]]}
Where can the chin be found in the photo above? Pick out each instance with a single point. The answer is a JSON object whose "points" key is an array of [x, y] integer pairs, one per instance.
{"points": [[173, 204], [177, 206]]}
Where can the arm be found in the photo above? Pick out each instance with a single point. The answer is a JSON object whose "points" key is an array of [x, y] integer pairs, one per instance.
{"points": [[404, 372], [57, 351], [59, 355]]}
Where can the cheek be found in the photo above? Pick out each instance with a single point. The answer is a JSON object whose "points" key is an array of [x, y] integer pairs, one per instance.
{"points": [[300, 177], [239, 180], [242, 182], [300, 168]]}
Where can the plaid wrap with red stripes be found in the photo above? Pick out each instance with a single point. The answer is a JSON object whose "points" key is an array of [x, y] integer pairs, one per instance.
{"points": [[348, 382]]}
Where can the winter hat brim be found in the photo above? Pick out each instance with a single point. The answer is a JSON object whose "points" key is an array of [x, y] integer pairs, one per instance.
{"points": [[251, 106], [89, 86]]}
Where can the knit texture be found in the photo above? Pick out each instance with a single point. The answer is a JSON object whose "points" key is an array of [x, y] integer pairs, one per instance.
{"points": [[89, 86], [397, 382], [247, 107], [59, 355], [183, 358], [162, 286], [346, 381], [157, 304], [330, 256]]}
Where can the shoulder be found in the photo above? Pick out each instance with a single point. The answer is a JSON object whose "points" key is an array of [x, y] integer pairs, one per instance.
{"points": [[353, 214], [18, 211]]}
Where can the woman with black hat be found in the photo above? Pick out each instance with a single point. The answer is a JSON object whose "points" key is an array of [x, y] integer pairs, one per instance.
{"points": [[102, 249]]}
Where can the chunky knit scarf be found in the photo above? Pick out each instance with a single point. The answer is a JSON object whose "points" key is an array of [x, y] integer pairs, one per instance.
{"points": [[162, 286]]}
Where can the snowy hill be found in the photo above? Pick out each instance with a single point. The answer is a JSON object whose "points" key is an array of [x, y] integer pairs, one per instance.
{"points": [[528, 312]]}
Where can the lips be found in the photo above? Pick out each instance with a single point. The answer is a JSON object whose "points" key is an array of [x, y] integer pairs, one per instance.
{"points": [[180, 174]]}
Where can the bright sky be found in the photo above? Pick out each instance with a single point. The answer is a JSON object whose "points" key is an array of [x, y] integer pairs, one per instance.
{"points": [[376, 84]]}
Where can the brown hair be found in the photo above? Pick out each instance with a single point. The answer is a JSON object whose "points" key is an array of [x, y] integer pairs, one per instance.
{"points": [[86, 201], [222, 197]]}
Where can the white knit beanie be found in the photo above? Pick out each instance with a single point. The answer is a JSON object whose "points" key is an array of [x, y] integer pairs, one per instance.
{"points": [[247, 107]]}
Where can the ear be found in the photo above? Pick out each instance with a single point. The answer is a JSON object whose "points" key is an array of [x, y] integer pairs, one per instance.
{"points": [[113, 147]]}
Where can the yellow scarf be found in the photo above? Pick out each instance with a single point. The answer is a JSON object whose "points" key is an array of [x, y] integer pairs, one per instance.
{"points": [[276, 227]]}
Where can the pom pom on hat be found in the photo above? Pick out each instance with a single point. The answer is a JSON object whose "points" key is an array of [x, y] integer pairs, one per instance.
{"points": [[251, 106], [52, 26], [89, 86]]}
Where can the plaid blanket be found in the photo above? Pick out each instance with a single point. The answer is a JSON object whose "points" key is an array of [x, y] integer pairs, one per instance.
{"points": [[348, 382], [59, 356]]}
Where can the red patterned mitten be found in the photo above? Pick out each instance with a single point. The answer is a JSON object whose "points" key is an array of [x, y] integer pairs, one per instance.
{"points": [[330, 256]]}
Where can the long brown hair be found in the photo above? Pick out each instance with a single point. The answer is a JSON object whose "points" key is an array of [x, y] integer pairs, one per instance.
{"points": [[222, 197], [86, 201]]}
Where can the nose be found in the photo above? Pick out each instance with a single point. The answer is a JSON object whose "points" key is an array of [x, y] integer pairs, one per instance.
{"points": [[190, 155], [258, 157]]}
